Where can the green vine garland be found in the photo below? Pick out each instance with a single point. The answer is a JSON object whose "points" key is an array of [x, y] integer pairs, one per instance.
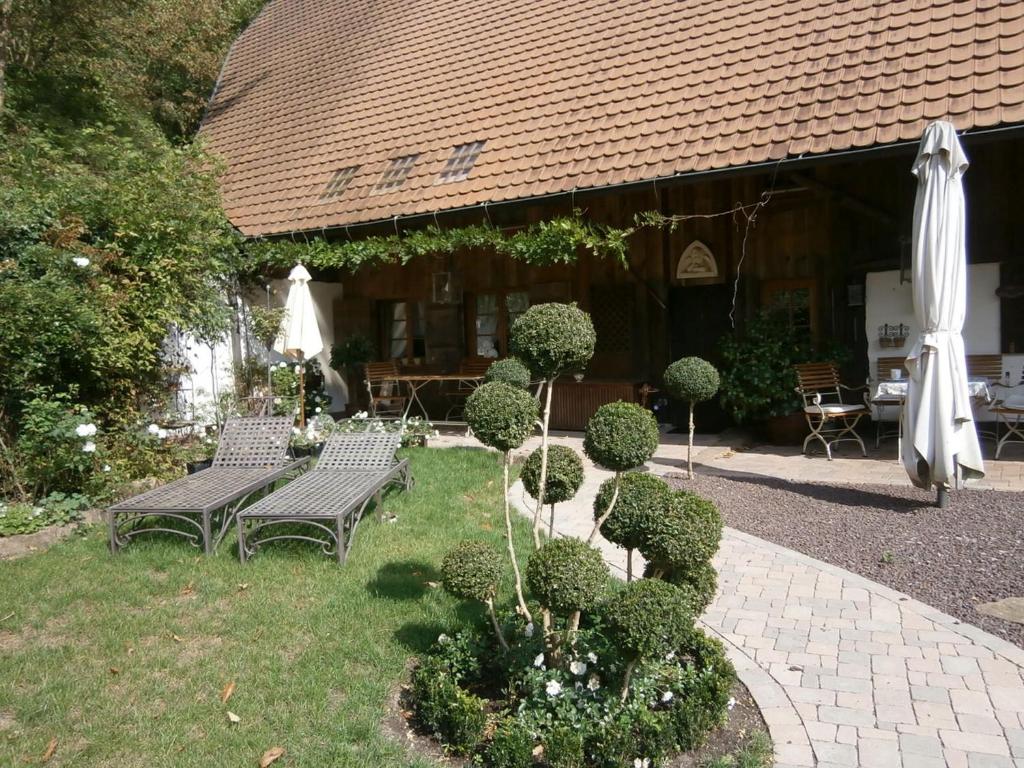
{"points": [[556, 241]]}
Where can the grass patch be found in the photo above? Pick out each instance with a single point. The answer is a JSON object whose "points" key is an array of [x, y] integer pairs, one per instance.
{"points": [[755, 752], [123, 659]]}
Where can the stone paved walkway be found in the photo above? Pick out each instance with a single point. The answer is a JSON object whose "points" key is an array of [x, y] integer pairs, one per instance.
{"points": [[847, 672]]}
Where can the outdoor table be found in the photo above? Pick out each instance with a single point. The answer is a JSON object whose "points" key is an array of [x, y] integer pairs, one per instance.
{"points": [[417, 381], [896, 390]]}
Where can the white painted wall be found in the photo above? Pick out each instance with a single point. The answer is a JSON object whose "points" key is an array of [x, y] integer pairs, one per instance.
{"points": [[887, 301]]}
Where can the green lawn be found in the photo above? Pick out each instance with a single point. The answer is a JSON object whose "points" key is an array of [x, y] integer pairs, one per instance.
{"points": [[123, 659]]}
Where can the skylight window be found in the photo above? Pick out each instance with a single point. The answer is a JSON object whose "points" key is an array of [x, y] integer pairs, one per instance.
{"points": [[461, 161], [397, 172], [338, 182]]}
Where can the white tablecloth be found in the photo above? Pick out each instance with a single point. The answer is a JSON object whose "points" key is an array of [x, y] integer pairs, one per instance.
{"points": [[896, 389]]}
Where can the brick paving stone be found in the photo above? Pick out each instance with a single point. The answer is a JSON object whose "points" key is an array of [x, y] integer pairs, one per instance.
{"points": [[847, 672]]}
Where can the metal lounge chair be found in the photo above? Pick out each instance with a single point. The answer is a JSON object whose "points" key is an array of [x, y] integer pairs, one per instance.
{"points": [[251, 456], [354, 469], [830, 420]]}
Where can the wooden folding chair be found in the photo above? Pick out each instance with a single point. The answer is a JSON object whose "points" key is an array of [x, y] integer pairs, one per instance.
{"points": [[883, 370], [385, 390], [473, 368], [830, 419]]}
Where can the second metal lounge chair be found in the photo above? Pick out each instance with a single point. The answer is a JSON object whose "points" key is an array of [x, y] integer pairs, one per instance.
{"points": [[251, 456], [353, 470]]}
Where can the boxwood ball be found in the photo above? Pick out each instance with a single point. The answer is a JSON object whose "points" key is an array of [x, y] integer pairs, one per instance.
{"points": [[566, 575], [471, 570], [642, 496], [500, 415], [509, 370], [650, 617], [564, 476], [552, 339], [686, 536], [692, 379], [621, 436]]}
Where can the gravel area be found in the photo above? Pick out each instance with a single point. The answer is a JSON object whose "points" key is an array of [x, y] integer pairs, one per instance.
{"points": [[952, 559]]}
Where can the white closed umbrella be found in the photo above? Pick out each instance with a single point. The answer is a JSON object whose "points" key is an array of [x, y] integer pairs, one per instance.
{"points": [[299, 336], [941, 444]]}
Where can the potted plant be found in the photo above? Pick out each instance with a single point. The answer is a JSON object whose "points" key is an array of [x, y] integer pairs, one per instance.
{"points": [[758, 383], [348, 358], [201, 454]]}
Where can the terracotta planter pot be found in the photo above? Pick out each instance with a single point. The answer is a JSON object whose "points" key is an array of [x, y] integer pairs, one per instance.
{"points": [[790, 429]]}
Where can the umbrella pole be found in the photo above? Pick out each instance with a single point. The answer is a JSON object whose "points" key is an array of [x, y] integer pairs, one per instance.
{"points": [[302, 396], [942, 498]]}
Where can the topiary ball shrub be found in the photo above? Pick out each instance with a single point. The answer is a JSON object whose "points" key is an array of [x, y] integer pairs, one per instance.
{"points": [[649, 618], [621, 436], [511, 746], [471, 570], [703, 580], [444, 708], [500, 415], [692, 379], [705, 703], [552, 339], [641, 496], [686, 536], [510, 371], [564, 478], [566, 575]]}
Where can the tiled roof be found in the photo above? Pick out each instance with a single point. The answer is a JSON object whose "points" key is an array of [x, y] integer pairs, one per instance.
{"points": [[581, 93]]}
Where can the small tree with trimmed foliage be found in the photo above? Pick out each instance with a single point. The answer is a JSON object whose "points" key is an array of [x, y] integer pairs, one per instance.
{"points": [[642, 498], [509, 370], [681, 541], [551, 339], [472, 571], [502, 417], [619, 436], [694, 380], [649, 619], [565, 476]]}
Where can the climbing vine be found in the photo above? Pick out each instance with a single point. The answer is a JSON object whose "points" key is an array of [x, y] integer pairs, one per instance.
{"points": [[556, 241]]}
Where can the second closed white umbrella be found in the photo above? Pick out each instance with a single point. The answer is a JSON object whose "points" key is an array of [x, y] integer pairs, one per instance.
{"points": [[299, 336]]}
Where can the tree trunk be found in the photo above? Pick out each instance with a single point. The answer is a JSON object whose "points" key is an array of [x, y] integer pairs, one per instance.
{"points": [[543, 463], [511, 547], [625, 680], [629, 565], [689, 447], [607, 512], [5, 46], [497, 626]]}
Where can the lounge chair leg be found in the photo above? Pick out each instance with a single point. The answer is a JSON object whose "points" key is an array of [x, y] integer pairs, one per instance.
{"points": [[114, 549], [207, 534], [243, 556], [342, 543]]}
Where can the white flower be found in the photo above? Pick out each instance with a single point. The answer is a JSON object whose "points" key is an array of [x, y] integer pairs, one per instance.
{"points": [[594, 683], [529, 630], [539, 661], [106, 467], [443, 638], [592, 657], [89, 447], [553, 688], [319, 410], [153, 429], [81, 261], [297, 368], [162, 434], [282, 364], [644, 763], [296, 431], [85, 430], [578, 668], [671, 655], [731, 704], [666, 696]]}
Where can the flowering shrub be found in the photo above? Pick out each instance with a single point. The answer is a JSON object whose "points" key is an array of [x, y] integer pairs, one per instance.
{"points": [[55, 509]]}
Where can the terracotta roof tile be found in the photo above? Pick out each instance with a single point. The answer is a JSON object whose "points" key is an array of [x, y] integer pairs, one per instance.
{"points": [[578, 93]]}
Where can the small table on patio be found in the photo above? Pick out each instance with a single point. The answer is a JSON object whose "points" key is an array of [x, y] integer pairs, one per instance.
{"points": [[417, 381], [894, 392]]}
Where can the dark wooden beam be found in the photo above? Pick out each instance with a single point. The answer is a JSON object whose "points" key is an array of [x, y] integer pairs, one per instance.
{"points": [[844, 198]]}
